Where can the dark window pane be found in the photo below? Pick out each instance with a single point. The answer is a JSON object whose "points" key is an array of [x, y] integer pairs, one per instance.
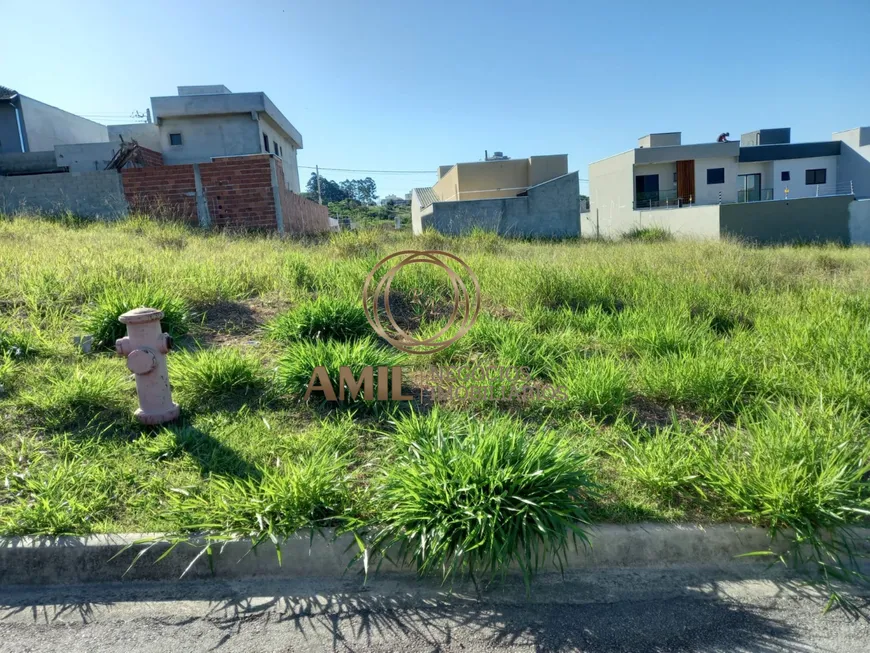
{"points": [[786, 176], [265, 143], [715, 175], [817, 177], [275, 147], [175, 139]]}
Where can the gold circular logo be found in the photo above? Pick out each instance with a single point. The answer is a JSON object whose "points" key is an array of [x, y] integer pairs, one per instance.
{"points": [[462, 316]]}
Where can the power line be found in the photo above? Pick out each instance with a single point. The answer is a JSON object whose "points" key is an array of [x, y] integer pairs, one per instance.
{"points": [[382, 172], [376, 172]]}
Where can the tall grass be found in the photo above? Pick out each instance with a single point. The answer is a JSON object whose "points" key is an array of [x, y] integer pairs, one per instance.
{"points": [[475, 497]]}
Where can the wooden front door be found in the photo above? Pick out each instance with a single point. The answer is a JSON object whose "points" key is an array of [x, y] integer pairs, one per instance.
{"points": [[686, 181]]}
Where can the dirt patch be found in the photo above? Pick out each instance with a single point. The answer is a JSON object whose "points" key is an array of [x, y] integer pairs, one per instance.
{"points": [[227, 322]]}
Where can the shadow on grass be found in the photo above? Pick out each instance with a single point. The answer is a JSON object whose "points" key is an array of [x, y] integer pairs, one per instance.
{"points": [[212, 456]]}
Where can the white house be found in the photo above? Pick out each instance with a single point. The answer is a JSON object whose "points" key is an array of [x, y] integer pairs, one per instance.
{"points": [[663, 174]]}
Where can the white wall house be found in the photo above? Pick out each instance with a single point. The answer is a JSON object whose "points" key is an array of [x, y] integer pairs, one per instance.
{"points": [[663, 174]]}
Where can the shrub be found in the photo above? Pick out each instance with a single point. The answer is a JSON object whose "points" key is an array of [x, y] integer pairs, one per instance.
{"points": [[597, 385], [323, 319], [201, 379], [101, 319], [16, 344], [354, 244], [305, 492], [477, 496], [300, 359], [803, 472], [649, 235], [666, 462]]}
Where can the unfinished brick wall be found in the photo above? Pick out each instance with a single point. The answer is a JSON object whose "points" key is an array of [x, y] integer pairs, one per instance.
{"points": [[239, 193], [164, 191], [150, 157], [301, 216]]}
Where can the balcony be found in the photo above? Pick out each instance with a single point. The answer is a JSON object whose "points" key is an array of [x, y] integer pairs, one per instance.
{"points": [[660, 199], [754, 195]]}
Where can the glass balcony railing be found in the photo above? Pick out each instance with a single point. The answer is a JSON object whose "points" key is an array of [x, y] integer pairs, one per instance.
{"points": [[755, 195], [658, 199]]}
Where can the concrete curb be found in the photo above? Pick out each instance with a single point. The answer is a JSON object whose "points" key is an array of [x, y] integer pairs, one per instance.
{"points": [[102, 558]]}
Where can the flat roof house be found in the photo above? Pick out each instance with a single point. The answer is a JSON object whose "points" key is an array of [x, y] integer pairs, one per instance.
{"points": [[205, 122], [27, 125], [534, 196], [661, 173]]}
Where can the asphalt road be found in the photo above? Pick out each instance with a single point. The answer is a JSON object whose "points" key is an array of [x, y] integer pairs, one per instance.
{"points": [[739, 608]]}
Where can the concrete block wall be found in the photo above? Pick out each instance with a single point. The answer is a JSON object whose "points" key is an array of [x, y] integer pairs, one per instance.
{"points": [[549, 210], [168, 191], [94, 194], [27, 162]]}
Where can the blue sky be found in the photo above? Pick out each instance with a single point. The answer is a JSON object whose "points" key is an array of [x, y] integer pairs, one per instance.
{"points": [[392, 85]]}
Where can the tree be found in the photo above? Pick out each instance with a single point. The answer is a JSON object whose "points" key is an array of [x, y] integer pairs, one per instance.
{"points": [[330, 191], [364, 191]]}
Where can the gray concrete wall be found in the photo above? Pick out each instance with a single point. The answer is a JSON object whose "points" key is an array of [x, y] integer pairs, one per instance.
{"points": [[94, 194], [859, 222], [85, 157], [10, 140], [551, 210], [204, 137], [47, 126], [287, 154], [811, 219], [144, 133], [12, 163]]}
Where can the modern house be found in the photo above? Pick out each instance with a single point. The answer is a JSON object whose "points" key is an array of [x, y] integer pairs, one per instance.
{"points": [[27, 125], [662, 174], [536, 196]]}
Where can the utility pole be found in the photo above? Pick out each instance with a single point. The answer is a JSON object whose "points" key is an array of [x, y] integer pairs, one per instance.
{"points": [[319, 198]]}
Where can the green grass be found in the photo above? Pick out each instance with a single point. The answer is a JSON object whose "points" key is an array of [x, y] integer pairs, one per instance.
{"points": [[206, 378], [325, 318], [703, 381], [472, 496]]}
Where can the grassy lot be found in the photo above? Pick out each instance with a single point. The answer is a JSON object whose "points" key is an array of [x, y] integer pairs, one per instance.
{"points": [[706, 381]]}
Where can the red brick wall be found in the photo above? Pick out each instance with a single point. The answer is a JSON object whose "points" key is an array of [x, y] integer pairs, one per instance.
{"points": [[162, 191], [301, 216], [150, 157], [239, 192]]}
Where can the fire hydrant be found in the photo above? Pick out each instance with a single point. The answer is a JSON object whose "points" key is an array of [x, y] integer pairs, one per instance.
{"points": [[145, 348]]}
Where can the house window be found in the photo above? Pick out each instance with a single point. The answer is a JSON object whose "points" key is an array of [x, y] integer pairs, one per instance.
{"points": [[646, 189], [715, 175], [817, 176], [175, 139], [280, 151], [786, 176], [675, 176], [275, 147], [265, 143]]}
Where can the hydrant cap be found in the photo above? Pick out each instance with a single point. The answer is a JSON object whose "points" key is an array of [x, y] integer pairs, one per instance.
{"points": [[140, 315]]}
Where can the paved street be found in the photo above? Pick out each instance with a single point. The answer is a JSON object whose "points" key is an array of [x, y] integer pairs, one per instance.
{"points": [[699, 609]]}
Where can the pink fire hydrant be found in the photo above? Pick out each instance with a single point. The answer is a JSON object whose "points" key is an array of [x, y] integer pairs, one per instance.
{"points": [[145, 348]]}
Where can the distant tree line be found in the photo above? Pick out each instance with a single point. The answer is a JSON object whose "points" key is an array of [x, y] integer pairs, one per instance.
{"points": [[364, 191]]}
